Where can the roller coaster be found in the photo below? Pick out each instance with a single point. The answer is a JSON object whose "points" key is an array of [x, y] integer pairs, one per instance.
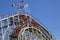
{"points": [[22, 26]]}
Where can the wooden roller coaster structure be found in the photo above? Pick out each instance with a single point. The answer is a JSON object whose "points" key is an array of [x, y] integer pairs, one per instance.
{"points": [[22, 26]]}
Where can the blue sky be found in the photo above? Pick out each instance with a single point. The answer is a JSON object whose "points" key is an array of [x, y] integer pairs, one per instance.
{"points": [[46, 11]]}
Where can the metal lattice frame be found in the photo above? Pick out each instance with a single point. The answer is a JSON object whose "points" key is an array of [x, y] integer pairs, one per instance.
{"points": [[24, 23], [34, 32]]}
